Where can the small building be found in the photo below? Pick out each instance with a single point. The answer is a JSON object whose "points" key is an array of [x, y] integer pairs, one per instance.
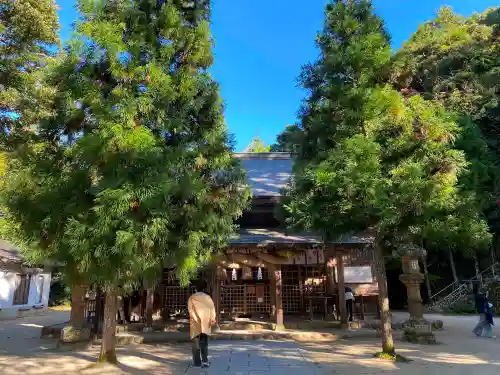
{"points": [[24, 290], [266, 272]]}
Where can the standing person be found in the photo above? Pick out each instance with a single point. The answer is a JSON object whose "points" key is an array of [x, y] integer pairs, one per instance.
{"points": [[485, 315], [201, 318], [349, 300]]}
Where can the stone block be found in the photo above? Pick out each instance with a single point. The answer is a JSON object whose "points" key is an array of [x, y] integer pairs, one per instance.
{"points": [[71, 334]]}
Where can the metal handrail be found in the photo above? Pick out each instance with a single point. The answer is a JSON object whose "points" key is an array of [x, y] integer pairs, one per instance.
{"points": [[458, 286], [445, 288]]}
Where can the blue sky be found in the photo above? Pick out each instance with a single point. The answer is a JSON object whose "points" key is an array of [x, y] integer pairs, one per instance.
{"points": [[260, 46]]}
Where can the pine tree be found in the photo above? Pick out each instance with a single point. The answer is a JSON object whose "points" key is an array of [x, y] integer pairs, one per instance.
{"points": [[28, 49], [28, 32], [385, 162], [256, 145], [137, 161]]}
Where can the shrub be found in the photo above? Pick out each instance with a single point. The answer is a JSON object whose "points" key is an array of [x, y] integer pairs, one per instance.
{"points": [[60, 294], [461, 308]]}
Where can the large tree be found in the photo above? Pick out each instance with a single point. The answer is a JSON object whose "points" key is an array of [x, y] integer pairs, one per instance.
{"points": [[137, 156], [28, 48], [370, 159], [456, 60]]}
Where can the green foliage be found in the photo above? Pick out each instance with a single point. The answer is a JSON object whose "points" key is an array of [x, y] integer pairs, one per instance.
{"points": [[354, 53], [288, 140], [60, 293], [462, 308], [256, 145], [134, 169], [28, 29], [455, 60], [493, 289], [393, 185]]}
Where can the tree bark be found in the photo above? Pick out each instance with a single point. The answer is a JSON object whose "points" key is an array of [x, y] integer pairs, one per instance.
{"points": [[452, 265], [77, 315], [108, 346], [426, 275], [493, 259], [149, 306], [383, 295], [478, 272]]}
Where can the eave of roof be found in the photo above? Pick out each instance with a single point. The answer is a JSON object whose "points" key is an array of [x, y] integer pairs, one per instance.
{"points": [[263, 237], [263, 155]]}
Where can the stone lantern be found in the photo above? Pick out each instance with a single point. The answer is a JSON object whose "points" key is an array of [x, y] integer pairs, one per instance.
{"points": [[412, 278], [416, 329]]}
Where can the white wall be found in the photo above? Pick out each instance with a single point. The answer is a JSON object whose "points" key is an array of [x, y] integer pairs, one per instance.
{"points": [[8, 284]]}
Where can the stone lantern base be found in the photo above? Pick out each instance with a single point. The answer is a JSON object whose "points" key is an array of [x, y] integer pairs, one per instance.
{"points": [[416, 329]]}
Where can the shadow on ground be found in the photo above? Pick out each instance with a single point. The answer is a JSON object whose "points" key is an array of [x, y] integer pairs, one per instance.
{"points": [[459, 353]]}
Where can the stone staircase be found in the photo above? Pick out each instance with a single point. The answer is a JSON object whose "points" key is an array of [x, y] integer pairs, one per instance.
{"points": [[460, 291]]}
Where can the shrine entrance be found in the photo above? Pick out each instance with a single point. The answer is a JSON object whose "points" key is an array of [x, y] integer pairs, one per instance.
{"points": [[248, 300]]}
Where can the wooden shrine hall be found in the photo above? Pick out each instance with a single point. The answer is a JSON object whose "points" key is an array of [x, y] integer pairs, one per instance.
{"points": [[266, 273]]}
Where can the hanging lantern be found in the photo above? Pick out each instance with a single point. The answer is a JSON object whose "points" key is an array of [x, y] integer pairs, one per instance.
{"points": [[247, 273], [234, 275], [259, 274]]}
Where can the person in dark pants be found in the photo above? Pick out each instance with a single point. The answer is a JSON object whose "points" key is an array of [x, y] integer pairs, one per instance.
{"points": [[484, 308], [201, 318], [349, 300]]}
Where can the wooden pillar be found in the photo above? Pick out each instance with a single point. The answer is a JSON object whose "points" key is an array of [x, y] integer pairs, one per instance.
{"points": [[276, 284], [330, 280], [216, 293], [341, 288], [161, 288], [362, 308], [330, 273], [301, 289]]}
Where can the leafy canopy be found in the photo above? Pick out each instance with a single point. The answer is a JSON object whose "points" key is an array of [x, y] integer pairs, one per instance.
{"points": [[28, 33], [455, 60], [135, 168], [370, 158]]}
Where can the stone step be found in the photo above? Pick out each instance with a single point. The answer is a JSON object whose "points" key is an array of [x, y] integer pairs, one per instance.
{"points": [[178, 337], [182, 327]]}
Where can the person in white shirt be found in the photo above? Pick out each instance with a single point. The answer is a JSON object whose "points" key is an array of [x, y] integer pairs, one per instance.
{"points": [[349, 301]]}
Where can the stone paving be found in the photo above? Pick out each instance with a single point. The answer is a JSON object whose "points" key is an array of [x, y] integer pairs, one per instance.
{"points": [[459, 352], [239, 358]]}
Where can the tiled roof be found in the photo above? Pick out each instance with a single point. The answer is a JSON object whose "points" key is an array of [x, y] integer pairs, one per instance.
{"points": [[267, 172], [274, 236], [9, 253]]}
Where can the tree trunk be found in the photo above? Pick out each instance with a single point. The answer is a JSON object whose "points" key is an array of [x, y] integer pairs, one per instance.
{"points": [[452, 265], [385, 314], [108, 346], [149, 306], [77, 316], [478, 272], [426, 275], [493, 260]]}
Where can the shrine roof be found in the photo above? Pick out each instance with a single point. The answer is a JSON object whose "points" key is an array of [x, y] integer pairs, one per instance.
{"points": [[262, 237], [267, 172]]}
